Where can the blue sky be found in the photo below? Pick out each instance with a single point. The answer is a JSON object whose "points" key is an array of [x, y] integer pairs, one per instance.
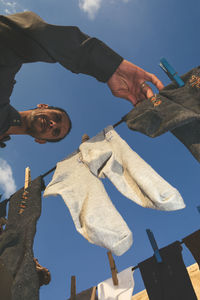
{"points": [[142, 32]]}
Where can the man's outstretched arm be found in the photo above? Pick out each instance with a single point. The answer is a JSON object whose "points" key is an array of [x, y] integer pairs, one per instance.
{"points": [[32, 39]]}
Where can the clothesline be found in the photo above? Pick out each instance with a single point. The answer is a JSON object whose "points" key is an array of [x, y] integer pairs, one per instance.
{"points": [[51, 170]]}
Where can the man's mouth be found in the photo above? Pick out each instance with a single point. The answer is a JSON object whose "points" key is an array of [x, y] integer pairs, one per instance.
{"points": [[43, 124]]}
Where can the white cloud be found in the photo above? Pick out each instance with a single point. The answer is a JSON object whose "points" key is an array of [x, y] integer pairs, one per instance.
{"points": [[91, 7], [10, 7], [7, 182]]}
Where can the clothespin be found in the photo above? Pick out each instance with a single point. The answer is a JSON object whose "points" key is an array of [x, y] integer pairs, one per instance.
{"points": [[113, 268], [27, 183], [93, 295], [27, 178], [73, 288], [85, 138], [171, 73], [154, 245]]}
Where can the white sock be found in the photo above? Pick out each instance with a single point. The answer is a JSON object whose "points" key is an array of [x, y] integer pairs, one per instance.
{"points": [[107, 154]]}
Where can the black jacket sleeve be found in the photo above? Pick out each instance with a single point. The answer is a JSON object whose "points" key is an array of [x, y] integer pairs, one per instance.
{"points": [[31, 39]]}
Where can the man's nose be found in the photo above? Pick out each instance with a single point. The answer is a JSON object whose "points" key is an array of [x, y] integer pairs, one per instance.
{"points": [[52, 123]]}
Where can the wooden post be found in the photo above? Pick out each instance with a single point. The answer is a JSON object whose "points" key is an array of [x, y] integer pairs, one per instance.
{"points": [[73, 288], [113, 268]]}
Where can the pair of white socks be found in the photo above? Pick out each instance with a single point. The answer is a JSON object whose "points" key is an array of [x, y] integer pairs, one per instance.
{"points": [[92, 211], [94, 215]]}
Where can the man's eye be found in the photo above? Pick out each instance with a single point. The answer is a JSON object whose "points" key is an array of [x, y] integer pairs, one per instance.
{"points": [[56, 132], [58, 118]]}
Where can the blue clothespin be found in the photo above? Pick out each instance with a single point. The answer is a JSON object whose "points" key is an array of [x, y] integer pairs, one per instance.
{"points": [[154, 245], [171, 73]]}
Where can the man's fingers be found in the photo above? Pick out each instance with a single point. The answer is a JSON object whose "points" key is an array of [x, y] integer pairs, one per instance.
{"points": [[156, 81], [146, 90], [149, 93]]}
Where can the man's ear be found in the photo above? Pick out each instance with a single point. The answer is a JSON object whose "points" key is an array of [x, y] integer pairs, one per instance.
{"points": [[42, 105], [40, 141]]}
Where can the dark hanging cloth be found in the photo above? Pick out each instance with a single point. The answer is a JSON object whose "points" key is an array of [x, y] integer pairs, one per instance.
{"points": [[192, 242], [175, 109], [3, 206], [6, 281], [85, 295], [16, 242], [168, 280]]}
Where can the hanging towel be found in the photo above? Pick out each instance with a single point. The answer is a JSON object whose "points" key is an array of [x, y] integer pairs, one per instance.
{"points": [[175, 109], [168, 280], [92, 211], [192, 242], [124, 289], [108, 155], [16, 242]]}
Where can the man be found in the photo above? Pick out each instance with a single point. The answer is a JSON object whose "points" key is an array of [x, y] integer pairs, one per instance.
{"points": [[24, 38], [44, 123]]}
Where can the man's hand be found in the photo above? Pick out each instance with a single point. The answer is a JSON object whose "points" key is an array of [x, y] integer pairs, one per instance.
{"points": [[127, 82]]}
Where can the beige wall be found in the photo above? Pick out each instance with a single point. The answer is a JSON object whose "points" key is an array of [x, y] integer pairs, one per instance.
{"points": [[194, 273]]}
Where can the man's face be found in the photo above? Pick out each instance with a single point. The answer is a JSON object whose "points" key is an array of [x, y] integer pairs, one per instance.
{"points": [[47, 124]]}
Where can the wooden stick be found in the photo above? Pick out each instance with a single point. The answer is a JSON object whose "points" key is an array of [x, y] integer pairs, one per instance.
{"points": [[73, 288], [93, 295], [113, 268]]}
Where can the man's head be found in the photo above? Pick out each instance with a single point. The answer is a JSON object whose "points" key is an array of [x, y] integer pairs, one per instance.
{"points": [[48, 123]]}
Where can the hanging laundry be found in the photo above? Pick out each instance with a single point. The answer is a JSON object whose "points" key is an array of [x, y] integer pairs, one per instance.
{"points": [[108, 155], [123, 291], [194, 273], [16, 242], [92, 211], [168, 279], [3, 206], [85, 295], [189, 135], [3, 221], [175, 109], [192, 242], [6, 281]]}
